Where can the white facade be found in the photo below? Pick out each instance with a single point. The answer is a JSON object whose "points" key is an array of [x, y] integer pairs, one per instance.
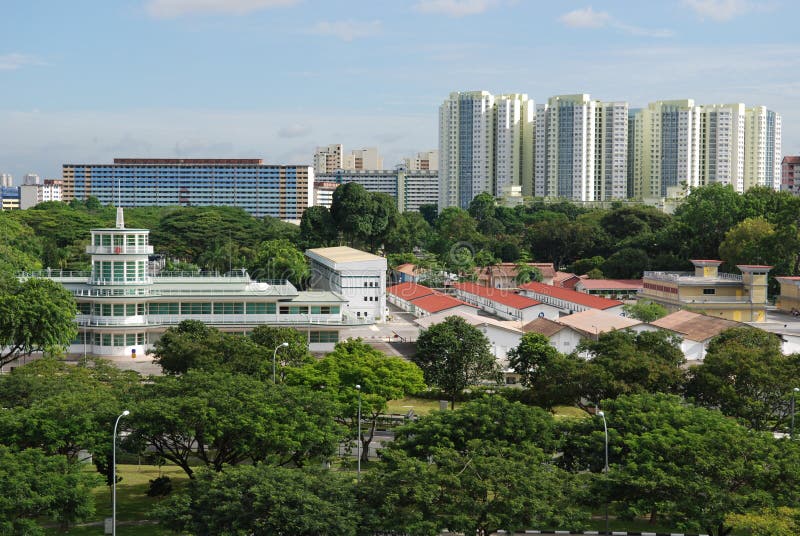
{"points": [[411, 189], [565, 148], [427, 160], [466, 142], [358, 276], [762, 148], [668, 148], [722, 151], [513, 144], [363, 159], [6, 180]]}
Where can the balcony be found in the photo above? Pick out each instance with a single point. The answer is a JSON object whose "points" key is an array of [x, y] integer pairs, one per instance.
{"points": [[119, 250], [689, 277]]}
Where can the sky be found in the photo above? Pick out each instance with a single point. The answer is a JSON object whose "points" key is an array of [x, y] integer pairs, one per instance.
{"points": [[85, 81]]}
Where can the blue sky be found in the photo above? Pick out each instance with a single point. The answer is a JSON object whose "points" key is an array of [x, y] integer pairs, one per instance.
{"points": [[86, 80]]}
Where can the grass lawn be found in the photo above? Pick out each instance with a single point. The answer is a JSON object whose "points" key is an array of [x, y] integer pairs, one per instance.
{"points": [[569, 412], [421, 406], [133, 504]]}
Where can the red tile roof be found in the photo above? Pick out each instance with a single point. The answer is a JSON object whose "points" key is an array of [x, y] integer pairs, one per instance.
{"points": [[409, 291], [433, 303], [587, 300], [504, 297], [791, 160]]}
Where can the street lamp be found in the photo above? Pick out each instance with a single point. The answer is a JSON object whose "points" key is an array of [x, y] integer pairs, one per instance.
{"points": [[114, 475], [358, 439], [794, 395], [605, 469], [274, 354]]}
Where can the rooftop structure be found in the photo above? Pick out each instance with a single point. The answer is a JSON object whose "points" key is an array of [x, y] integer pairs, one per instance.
{"points": [[742, 298]]}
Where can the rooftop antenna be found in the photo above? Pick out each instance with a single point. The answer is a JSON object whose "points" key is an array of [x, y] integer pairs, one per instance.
{"points": [[120, 215]]}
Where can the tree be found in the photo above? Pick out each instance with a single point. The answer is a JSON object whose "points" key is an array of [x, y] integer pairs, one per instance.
{"points": [[553, 378], [491, 418], [381, 377], [689, 466], [645, 310], [781, 521], [294, 355], [745, 375], [478, 490], [527, 273], [280, 259], [223, 419], [430, 212], [454, 355], [409, 232], [701, 221], [264, 500], [362, 217], [36, 485], [623, 362], [317, 228], [38, 316], [627, 263], [748, 242]]}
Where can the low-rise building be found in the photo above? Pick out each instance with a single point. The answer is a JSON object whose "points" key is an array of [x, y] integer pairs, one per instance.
{"points": [[616, 289], [504, 274], [358, 276], [568, 301], [695, 331], [742, 298], [789, 299], [503, 303], [591, 323], [562, 337], [423, 301]]}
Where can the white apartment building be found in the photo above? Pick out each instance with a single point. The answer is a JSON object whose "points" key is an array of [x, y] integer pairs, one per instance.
{"points": [[328, 159], [762, 148], [358, 276], [513, 144], [363, 159], [31, 193], [466, 147], [722, 153], [565, 148], [424, 161], [611, 154], [667, 148]]}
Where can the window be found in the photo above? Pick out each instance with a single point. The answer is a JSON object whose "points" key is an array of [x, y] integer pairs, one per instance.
{"points": [[130, 339], [229, 308], [708, 291], [323, 336], [196, 308], [119, 310], [85, 308], [294, 310], [119, 271], [260, 308], [119, 340], [164, 308]]}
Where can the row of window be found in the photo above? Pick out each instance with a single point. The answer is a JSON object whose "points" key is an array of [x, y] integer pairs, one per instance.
{"points": [[323, 336], [201, 308], [120, 270], [119, 239], [111, 339]]}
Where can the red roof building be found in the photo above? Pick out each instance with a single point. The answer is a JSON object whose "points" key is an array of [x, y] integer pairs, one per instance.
{"points": [[503, 303], [569, 301]]}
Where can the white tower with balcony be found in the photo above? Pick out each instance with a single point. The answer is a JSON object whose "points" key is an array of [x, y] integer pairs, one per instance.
{"points": [[119, 286]]}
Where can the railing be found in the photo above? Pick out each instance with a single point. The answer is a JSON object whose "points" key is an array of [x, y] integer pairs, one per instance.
{"points": [[675, 276], [720, 299], [122, 250], [113, 281], [137, 292], [77, 274], [160, 320]]}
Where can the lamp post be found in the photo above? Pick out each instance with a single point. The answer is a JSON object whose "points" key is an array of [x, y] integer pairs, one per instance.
{"points": [[605, 469], [358, 438], [794, 395], [274, 355], [114, 475]]}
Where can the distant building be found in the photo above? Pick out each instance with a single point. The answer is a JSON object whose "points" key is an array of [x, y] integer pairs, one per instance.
{"points": [[6, 180], [411, 189], [695, 331], [568, 301], [425, 161], [422, 301], [742, 298], [503, 303], [279, 191], [358, 276], [32, 192], [504, 274], [762, 148], [790, 174], [9, 197], [328, 159], [323, 193], [615, 289], [359, 159]]}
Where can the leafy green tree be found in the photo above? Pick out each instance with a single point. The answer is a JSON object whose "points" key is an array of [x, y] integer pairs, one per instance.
{"points": [[701, 221], [623, 362], [552, 377], [627, 263], [410, 231], [37, 486], [454, 355], [381, 377], [363, 218], [430, 212], [747, 242], [492, 418], [294, 355], [317, 228], [223, 419], [280, 259], [264, 500], [745, 375], [781, 521], [645, 310], [478, 490], [688, 466], [527, 273], [38, 316]]}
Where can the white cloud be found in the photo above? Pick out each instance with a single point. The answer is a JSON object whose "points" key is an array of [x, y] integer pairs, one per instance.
{"points": [[168, 9], [347, 30], [14, 60], [719, 10], [454, 8], [589, 18], [585, 18]]}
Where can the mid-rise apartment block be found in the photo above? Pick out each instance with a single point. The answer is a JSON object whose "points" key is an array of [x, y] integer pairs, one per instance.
{"points": [[31, 193], [363, 159], [328, 159], [790, 174], [411, 189], [424, 161], [279, 191]]}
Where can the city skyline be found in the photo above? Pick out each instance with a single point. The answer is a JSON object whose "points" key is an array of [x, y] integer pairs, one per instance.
{"points": [[274, 79]]}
